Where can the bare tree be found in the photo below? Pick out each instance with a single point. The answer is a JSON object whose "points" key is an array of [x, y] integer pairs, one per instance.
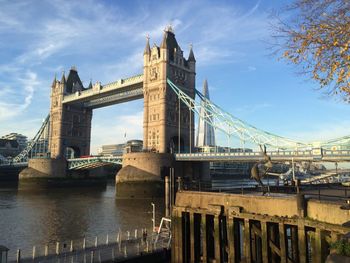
{"points": [[315, 34]]}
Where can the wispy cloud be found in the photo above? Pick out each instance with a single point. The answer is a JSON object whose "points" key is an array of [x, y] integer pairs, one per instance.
{"points": [[321, 132], [249, 109], [9, 109], [106, 40]]}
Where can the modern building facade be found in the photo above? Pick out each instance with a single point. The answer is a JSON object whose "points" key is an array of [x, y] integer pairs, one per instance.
{"points": [[120, 149], [205, 134], [9, 148], [21, 139]]}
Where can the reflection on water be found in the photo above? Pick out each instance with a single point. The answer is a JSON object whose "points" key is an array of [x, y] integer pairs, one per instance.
{"points": [[38, 217]]}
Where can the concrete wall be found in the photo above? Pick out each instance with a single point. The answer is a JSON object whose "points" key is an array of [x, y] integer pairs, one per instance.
{"points": [[45, 168], [256, 204], [327, 212], [283, 205]]}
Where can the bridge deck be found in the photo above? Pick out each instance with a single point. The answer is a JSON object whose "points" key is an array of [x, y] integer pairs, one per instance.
{"points": [[103, 95], [307, 155]]}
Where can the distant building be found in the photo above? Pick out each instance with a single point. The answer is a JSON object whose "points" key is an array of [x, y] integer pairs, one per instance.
{"points": [[111, 149], [120, 149], [133, 146], [205, 135], [9, 148], [21, 139], [220, 149]]}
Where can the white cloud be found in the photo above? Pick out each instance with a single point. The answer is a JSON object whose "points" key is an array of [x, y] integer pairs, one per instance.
{"points": [[321, 131], [9, 109], [251, 68], [249, 109]]}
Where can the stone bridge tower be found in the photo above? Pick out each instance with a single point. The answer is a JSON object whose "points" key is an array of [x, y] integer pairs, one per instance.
{"points": [[165, 126], [70, 125]]}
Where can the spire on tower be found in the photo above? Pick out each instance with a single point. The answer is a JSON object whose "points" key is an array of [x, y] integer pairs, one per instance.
{"points": [[164, 43], [191, 55], [147, 48], [90, 84], [63, 79], [54, 81]]}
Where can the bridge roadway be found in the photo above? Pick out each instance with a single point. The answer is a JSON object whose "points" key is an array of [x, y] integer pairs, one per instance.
{"points": [[279, 156], [98, 96], [300, 155], [93, 162]]}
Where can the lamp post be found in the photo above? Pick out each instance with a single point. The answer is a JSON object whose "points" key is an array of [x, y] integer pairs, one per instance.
{"points": [[153, 216]]}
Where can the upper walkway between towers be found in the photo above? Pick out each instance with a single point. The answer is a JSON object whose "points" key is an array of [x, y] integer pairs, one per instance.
{"points": [[99, 95]]}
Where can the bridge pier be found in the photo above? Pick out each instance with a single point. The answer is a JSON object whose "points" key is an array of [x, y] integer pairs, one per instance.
{"points": [[46, 172], [44, 168], [143, 173]]}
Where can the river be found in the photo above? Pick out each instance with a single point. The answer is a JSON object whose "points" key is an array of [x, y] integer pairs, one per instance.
{"points": [[30, 218]]}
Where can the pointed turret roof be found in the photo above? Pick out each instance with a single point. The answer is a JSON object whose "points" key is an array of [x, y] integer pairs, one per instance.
{"points": [[73, 80], [169, 42], [90, 85], [164, 44], [191, 55], [54, 81], [63, 79], [147, 48]]}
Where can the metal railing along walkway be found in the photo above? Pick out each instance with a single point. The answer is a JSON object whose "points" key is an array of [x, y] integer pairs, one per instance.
{"points": [[117, 247]]}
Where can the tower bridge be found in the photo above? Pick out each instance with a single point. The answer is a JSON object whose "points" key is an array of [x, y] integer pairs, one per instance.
{"points": [[167, 87]]}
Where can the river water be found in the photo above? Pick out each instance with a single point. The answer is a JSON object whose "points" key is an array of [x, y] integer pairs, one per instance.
{"points": [[30, 218]]}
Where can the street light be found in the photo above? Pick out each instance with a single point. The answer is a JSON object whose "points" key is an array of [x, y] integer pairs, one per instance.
{"points": [[153, 216]]}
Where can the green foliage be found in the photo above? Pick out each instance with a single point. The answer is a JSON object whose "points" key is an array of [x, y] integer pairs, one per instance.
{"points": [[342, 247]]}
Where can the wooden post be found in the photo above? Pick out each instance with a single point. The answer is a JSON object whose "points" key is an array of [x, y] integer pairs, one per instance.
{"points": [[46, 250], [246, 242], [231, 239], [318, 246], [179, 235], [282, 242], [302, 243], [204, 236], [264, 241], [192, 237], [217, 238], [71, 246]]}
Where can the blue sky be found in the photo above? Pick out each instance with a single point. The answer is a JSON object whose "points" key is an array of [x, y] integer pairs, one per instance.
{"points": [[105, 41]]}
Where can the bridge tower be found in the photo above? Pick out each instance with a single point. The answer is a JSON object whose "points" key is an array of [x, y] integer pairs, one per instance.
{"points": [[70, 125], [166, 127]]}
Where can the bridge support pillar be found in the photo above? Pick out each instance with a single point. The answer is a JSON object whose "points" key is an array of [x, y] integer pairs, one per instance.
{"points": [[44, 168], [142, 174]]}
